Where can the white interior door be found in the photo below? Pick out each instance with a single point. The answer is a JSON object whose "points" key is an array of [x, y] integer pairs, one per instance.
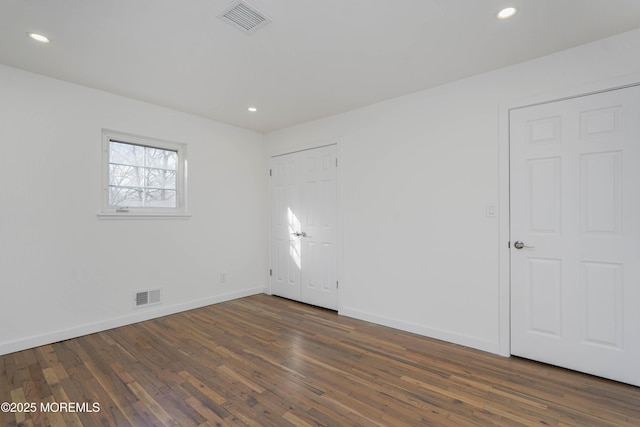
{"points": [[304, 210], [575, 233]]}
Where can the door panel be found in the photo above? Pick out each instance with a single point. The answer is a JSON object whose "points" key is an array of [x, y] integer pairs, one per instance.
{"points": [[545, 192], [285, 250], [602, 304], [575, 206], [601, 174], [305, 222], [544, 281]]}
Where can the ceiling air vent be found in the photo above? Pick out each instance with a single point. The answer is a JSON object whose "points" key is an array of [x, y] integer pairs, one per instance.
{"points": [[244, 17]]}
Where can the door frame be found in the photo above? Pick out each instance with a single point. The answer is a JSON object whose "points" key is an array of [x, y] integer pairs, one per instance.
{"points": [[504, 212], [290, 149]]}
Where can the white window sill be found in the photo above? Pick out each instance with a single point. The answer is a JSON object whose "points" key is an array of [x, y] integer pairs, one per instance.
{"points": [[142, 215]]}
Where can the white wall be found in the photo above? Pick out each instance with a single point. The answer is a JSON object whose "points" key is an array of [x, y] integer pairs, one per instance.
{"points": [[63, 271], [419, 252]]}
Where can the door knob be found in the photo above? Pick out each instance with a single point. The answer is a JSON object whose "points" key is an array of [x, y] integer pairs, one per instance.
{"points": [[520, 245]]}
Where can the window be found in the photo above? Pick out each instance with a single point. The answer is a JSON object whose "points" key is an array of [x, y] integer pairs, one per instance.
{"points": [[143, 177]]}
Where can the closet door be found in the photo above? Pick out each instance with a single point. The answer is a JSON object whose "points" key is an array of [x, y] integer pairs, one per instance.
{"points": [[303, 226]]}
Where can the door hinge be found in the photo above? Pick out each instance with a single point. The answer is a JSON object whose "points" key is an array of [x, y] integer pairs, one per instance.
{"points": [[336, 162], [509, 244], [270, 272], [270, 172], [337, 284]]}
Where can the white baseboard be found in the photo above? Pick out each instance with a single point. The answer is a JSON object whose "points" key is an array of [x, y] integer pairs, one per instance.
{"points": [[467, 341], [138, 316]]}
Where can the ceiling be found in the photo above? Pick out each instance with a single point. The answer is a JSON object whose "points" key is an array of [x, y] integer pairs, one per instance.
{"points": [[315, 59]]}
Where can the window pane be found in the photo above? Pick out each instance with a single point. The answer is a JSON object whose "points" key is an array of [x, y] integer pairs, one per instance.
{"points": [[125, 176], [125, 197], [139, 197], [161, 178], [164, 159], [160, 198], [126, 154]]}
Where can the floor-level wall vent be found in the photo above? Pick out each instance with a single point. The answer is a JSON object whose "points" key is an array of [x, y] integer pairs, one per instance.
{"points": [[144, 298]]}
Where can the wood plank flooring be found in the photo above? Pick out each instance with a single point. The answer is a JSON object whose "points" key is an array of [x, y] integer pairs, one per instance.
{"points": [[267, 361]]}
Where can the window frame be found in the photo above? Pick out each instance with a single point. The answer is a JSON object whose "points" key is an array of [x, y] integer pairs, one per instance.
{"points": [[113, 212]]}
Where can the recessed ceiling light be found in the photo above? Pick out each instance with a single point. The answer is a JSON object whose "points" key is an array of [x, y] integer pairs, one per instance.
{"points": [[38, 37], [252, 109], [507, 12]]}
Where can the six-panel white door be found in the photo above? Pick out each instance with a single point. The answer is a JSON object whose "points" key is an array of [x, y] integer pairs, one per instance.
{"points": [[303, 246], [575, 215]]}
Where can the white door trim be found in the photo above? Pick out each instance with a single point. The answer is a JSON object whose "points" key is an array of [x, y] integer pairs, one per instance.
{"points": [[339, 217], [504, 338]]}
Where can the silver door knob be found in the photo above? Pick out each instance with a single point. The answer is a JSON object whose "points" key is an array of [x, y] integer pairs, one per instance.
{"points": [[520, 245]]}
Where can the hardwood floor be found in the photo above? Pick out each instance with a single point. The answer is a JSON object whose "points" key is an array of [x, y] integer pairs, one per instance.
{"points": [[264, 360]]}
